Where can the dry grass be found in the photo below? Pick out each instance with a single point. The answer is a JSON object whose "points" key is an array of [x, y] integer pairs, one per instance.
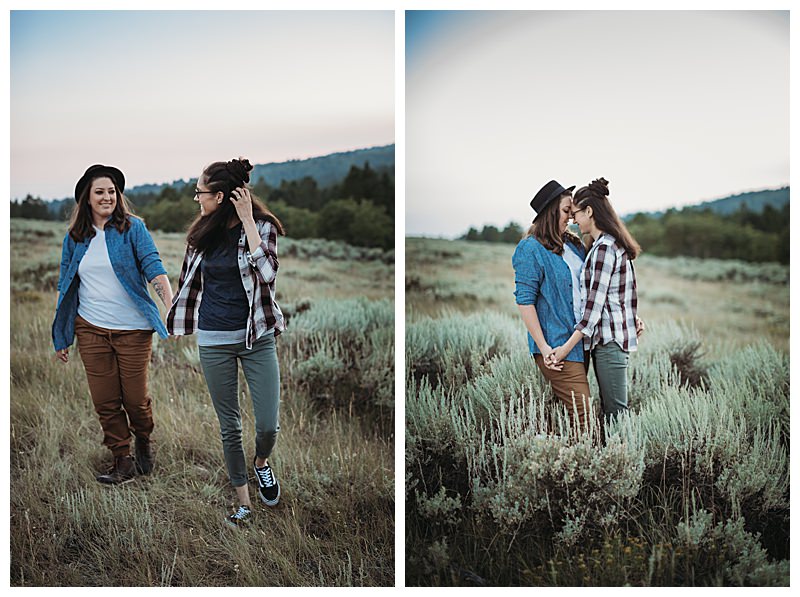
{"points": [[474, 276], [335, 522]]}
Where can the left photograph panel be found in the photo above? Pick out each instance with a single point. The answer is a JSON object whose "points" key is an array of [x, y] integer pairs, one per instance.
{"points": [[202, 283]]}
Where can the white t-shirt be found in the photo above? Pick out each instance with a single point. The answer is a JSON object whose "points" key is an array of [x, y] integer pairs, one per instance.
{"points": [[575, 264], [102, 300]]}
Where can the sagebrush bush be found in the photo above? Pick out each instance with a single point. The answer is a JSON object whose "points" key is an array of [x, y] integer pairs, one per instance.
{"points": [[343, 352], [490, 456]]}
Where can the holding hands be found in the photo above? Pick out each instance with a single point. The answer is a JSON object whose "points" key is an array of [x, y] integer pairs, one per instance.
{"points": [[556, 356], [549, 362]]}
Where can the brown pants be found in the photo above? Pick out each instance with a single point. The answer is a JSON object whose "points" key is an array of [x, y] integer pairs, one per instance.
{"points": [[570, 386], [116, 368]]}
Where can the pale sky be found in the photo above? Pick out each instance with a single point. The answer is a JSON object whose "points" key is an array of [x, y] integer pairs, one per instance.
{"points": [[672, 108], [160, 94]]}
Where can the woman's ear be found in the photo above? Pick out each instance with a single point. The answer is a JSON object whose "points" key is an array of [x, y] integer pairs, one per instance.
{"points": [[589, 211]]}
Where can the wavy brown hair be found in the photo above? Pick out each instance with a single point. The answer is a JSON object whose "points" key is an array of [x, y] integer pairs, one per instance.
{"points": [[208, 231], [545, 228], [81, 225], [595, 195]]}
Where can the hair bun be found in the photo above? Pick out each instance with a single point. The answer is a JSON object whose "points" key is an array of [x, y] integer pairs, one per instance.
{"points": [[599, 188], [240, 169]]}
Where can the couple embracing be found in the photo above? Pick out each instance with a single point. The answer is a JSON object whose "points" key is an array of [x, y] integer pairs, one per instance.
{"points": [[226, 297], [578, 300]]}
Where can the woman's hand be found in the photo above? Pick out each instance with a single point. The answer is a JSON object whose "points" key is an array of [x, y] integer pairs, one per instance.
{"points": [[559, 354], [548, 360], [63, 354], [243, 203], [639, 327]]}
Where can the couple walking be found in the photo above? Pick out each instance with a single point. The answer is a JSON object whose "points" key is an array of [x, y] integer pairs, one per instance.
{"points": [[226, 296], [579, 301]]}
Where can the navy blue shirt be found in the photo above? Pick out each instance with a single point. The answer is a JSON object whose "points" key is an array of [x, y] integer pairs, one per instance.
{"points": [[543, 279], [224, 306]]}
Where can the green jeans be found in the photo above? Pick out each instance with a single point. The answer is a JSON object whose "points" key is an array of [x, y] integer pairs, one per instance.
{"points": [[260, 366], [611, 369]]}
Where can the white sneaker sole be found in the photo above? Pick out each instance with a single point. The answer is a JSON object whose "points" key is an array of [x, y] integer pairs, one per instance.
{"points": [[270, 502]]}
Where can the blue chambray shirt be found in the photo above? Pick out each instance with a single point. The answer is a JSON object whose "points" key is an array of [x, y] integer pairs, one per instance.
{"points": [[543, 279], [136, 262]]}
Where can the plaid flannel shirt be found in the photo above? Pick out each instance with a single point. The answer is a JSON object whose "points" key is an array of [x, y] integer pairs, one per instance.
{"points": [[258, 270], [609, 295]]}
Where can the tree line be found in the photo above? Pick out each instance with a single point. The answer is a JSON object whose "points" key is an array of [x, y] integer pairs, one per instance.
{"points": [[359, 210], [747, 235]]}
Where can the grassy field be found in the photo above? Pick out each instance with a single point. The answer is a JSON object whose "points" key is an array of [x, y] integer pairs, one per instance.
{"points": [[692, 488], [334, 456]]}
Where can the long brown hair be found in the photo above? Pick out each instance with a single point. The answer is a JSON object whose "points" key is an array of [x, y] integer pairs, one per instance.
{"points": [[81, 225], [545, 228], [595, 195], [209, 231]]}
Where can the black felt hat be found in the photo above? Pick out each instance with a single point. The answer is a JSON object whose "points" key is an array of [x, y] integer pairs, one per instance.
{"points": [[546, 194], [97, 171]]}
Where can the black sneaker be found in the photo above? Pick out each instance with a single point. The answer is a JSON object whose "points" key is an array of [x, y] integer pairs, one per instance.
{"points": [[239, 518], [268, 487]]}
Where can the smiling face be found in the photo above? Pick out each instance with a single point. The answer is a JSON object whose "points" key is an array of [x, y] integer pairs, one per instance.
{"points": [[582, 219], [102, 198], [564, 213], [208, 200]]}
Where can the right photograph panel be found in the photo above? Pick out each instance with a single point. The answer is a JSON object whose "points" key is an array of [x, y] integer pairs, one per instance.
{"points": [[597, 298]]}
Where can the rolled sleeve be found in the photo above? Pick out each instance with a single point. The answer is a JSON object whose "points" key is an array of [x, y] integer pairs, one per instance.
{"points": [[527, 275], [264, 260], [602, 266], [147, 252]]}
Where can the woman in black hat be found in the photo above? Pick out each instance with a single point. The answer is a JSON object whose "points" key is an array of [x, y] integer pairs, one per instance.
{"points": [[107, 259], [226, 296], [547, 265]]}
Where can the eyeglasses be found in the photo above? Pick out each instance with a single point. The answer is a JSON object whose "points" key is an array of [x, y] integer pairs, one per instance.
{"points": [[199, 192], [572, 215]]}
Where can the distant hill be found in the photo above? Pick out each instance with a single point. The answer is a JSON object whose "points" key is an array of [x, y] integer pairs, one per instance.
{"points": [[327, 170], [754, 201]]}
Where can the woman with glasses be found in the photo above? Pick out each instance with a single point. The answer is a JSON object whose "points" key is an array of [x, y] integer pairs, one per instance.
{"points": [[107, 259], [547, 264], [226, 296], [608, 322]]}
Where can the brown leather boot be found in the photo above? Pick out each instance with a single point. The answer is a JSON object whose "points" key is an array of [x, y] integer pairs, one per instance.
{"points": [[144, 456], [122, 472]]}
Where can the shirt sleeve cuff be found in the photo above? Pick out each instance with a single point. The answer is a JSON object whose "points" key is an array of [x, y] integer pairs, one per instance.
{"points": [[259, 253], [155, 270]]}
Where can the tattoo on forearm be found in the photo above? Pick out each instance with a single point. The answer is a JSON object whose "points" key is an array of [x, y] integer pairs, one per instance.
{"points": [[160, 291]]}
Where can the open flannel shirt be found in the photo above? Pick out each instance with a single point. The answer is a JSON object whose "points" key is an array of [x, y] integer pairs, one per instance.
{"points": [[609, 295], [258, 270]]}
